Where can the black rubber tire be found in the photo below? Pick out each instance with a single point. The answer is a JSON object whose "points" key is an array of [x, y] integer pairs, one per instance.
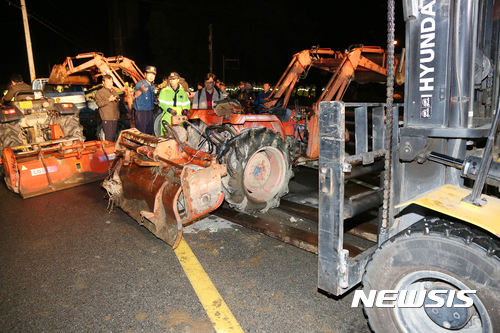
{"points": [[239, 151], [157, 124], [435, 250], [10, 135], [71, 126]]}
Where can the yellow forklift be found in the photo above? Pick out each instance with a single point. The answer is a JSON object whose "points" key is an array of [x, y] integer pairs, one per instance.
{"points": [[439, 222]]}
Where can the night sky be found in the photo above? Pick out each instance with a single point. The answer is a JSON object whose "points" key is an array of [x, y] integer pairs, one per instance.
{"points": [[173, 35]]}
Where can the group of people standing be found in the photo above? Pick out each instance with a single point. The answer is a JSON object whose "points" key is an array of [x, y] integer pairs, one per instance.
{"points": [[246, 96], [107, 99], [174, 99]]}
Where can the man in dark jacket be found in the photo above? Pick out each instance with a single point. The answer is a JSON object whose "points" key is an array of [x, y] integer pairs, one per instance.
{"points": [[107, 100], [262, 97], [16, 84], [144, 95]]}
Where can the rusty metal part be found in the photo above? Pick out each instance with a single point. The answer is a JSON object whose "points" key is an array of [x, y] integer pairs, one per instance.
{"points": [[308, 212], [165, 211], [149, 195], [161, 184], [137, 136], [201, 187], [167, 150], [178, 166], [367, 230], [303, 239]]}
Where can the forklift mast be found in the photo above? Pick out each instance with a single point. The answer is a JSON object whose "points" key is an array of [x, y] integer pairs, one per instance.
{"points": [[452, 50]]}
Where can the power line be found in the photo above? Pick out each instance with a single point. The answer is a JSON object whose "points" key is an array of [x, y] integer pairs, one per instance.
{"points": [[47, 24]]}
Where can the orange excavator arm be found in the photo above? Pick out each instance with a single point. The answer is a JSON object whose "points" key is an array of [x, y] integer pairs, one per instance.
{"points": [[300, 63], [354, 61], [88, 72], [367, 62]]}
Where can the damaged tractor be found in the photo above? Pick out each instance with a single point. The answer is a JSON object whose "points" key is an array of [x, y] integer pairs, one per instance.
{"points": [[162, 182]]}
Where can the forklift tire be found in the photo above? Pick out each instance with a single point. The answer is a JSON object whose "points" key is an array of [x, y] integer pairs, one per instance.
{"points": [[10, 135], [259, 169], [436, 254], [71, 126]]}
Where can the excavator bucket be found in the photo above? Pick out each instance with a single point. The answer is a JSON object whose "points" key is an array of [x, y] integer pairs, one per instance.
{"points": [[60, 75], [163, 183], [55, 165]]}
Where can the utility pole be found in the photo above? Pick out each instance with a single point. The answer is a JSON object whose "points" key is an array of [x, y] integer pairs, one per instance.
{"points": [[210, 48], [28, 41]]}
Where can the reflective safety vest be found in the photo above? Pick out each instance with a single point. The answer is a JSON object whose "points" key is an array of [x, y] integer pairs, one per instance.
{"points": [[300, 91], [177, 100], [171, 99]]}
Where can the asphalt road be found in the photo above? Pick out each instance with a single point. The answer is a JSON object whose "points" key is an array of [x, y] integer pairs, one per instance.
{"points": [[69, 265]]}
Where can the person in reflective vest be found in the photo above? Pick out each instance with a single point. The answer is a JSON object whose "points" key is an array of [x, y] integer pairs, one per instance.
{"points": [[173, 99]]}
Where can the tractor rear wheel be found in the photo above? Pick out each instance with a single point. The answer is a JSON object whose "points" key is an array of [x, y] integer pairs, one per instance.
{"points": [[259, 169], [10, 135], [439, 255], [71, 126]]}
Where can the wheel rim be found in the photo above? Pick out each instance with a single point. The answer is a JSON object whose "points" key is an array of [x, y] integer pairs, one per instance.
{"points": [[264, 174], [417, 319]]}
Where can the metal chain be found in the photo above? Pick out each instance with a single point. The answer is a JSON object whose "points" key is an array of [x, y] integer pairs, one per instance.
{"points": [[389, 114]]}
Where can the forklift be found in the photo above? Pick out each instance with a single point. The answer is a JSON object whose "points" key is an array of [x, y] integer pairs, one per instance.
{"points": [[439, 222]]}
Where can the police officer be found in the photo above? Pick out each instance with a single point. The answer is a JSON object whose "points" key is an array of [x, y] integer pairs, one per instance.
{"points": [[144, 95], [173, 99]]}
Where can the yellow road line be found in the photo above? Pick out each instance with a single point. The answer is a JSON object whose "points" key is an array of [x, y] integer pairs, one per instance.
{"points": [[217, 310]]}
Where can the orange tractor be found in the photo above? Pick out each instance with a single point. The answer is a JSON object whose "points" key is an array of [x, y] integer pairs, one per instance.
{"points": [[260, 149], [42, 141]]}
